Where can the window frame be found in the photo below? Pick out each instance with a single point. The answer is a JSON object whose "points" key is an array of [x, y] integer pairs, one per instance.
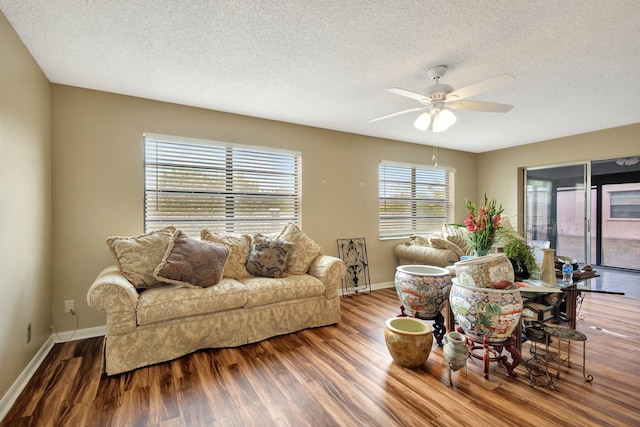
{"points": [[419, 173], [219, 203]]}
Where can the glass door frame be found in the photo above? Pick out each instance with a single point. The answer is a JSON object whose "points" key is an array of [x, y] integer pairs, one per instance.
{"points": [[523, 207]]}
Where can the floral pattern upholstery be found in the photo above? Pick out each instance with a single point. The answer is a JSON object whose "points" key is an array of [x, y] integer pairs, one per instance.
{"points": [[239, 245], [263, 292], [175, 302], [458, 236], [137, 257], [166, 322], [306, 250]]}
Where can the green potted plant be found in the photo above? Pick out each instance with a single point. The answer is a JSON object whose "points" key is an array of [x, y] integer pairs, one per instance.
{"points": [[522, 257]]}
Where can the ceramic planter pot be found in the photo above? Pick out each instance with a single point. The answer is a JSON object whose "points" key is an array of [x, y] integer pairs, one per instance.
{"points": [[455, 350], [481, 271], [408, 340], [422, 289], [481, 312]]}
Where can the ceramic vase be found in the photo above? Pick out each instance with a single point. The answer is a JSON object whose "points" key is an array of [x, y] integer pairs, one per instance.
{"points": [[482, 271], [408, 340], [548, 270], [480, 312], [422, 289], [455, 350]]}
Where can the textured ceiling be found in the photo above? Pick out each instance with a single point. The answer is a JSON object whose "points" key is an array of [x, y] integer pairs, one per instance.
{"points": [[327, 63]]}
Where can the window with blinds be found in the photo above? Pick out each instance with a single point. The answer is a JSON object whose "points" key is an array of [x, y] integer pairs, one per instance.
{"points": [[222, 187], [413, 199], [625, 204]]}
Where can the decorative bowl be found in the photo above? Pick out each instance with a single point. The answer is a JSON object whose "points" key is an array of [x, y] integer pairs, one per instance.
{"points": [[422, 289], [494, 313], [503, 284], [481, 271]]}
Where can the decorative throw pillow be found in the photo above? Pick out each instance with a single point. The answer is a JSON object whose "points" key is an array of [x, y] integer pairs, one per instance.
{"points": [[419, 239], [137, 257], [239, 244], [458, 236], [192, 263], [306, 250], [441, 243], [268, 257]]}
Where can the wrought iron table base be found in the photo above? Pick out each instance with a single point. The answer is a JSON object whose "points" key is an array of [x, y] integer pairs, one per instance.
{"points": [[439, 328]]}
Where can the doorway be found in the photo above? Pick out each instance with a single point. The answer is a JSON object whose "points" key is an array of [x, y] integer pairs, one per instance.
{"points": [[606, 234]]}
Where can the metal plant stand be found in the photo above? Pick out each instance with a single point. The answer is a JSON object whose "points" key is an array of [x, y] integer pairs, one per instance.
{"points": [[483, 349], [568, 335], [538, 364]]}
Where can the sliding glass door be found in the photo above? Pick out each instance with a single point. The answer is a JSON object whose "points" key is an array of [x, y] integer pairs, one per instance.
{"points": [[556, 213]]}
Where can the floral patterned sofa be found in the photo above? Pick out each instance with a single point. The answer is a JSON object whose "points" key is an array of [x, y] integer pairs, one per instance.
{"points": [[169, 295], [440, 249]]}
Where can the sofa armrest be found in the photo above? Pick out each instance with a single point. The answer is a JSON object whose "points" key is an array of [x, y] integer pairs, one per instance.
{"points": [[417, 254], [114, 295], [330, 270]]}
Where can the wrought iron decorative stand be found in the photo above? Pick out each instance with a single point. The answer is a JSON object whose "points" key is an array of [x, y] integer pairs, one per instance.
{"points": [[354, 254], [538, 364]]}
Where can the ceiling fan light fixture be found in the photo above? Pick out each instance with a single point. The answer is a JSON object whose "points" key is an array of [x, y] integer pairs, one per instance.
{"points": [[443, 119], [423, 121], [628, 161]]}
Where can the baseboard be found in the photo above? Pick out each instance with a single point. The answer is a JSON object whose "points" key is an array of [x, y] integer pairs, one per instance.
{"points": [[80, 334], [374, 287], [21, 382], [383, 285]]}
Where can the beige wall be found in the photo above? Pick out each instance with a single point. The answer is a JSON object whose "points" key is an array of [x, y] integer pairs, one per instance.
{"points": [[498, 170], [25, 212], [98, 177]]}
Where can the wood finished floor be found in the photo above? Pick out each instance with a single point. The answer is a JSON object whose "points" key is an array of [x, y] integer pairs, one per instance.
{"points": [[341, 375]]}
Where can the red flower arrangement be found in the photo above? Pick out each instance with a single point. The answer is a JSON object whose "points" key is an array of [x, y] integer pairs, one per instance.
{"points": [[483, 224]]}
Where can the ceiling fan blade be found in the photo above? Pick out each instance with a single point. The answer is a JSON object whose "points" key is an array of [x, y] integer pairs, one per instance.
{"points": [[396, 114], [489, 107], [480, 87], [407, 93]]}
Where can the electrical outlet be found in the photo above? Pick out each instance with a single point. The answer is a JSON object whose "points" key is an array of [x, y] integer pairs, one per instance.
{"points": [[69, 306], [28, 333]]}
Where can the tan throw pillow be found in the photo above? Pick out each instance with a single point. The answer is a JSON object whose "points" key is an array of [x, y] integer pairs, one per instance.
{"points": [[137, 257], [268, 257], [239, 246], [420, 240], [306, 250], [458, 236], [441, 243], [192, 263]]}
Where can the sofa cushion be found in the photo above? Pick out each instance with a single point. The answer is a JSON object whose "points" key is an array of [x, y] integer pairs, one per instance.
{"points": [[262, 291], [240, 246], [137, 257], [268, 257], [441, 243], [305, 252], [175, 302], [458, 236], [192, 263]]}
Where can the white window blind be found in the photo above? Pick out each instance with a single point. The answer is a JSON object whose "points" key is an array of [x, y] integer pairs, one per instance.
{"points": [[413, 199], [223, 187], [625, 204]]}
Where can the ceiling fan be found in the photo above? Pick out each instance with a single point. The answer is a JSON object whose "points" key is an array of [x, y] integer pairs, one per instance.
{"points": [[441, 98]]}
